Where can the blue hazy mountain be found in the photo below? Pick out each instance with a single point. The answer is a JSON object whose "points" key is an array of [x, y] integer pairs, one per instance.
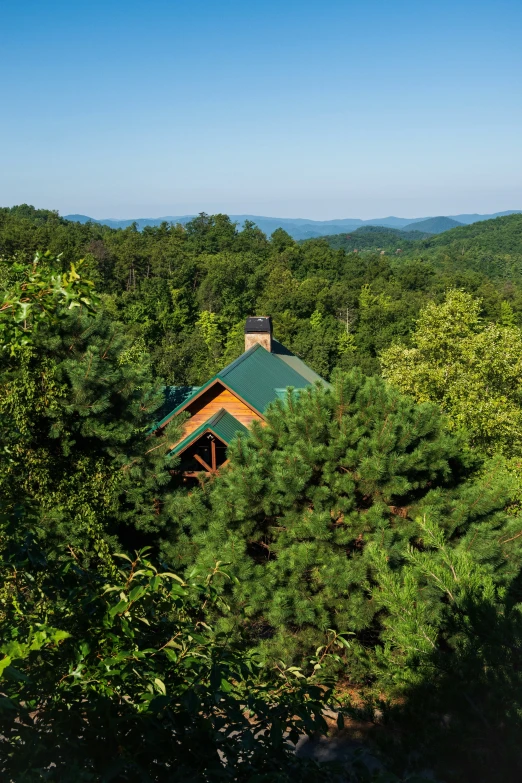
{"points": [[468, 219], [301, 228], [435, 225]]}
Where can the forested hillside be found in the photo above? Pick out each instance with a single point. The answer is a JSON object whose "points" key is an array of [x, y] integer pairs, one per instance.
{"points": [[376, 238], [492, 248], [435, 225], [184, 292], [501, 235], [362, 550]]}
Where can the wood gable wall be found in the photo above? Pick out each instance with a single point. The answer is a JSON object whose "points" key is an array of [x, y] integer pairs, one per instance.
{"points": [[210, 402]]}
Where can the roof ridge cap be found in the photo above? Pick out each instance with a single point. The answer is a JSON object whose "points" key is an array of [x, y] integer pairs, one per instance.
{"points": [[216, 416]]}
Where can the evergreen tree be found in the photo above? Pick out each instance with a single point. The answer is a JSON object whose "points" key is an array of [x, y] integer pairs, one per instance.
{"points": [[333, 471], [455, 660], [77, 399]]}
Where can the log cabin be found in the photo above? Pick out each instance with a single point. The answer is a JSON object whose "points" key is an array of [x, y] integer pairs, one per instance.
{"points": [[227, 404]]}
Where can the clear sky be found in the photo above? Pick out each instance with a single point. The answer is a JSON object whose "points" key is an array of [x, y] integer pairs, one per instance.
{"points": [[322, 109]]}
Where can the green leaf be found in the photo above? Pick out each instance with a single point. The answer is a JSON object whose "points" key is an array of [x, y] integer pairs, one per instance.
{"points": [[59, 636], [160, 685], [120, 607], [173, 576], [341, 641], [4, 663], [123, 556], [137, 592]]}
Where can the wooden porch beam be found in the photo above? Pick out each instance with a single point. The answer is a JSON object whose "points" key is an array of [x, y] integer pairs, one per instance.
{"points": [[202, 462]]}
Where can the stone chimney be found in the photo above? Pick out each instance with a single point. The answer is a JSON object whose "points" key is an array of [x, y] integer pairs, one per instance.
{"points": [[258, 329]]}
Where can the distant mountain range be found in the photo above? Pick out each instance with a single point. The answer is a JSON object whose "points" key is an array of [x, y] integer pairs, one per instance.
{"points": [[300, 228], [437, 225]]}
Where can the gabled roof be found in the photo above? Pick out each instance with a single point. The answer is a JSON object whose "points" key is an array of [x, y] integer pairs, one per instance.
{"points": [[254, 377], [222, 424], [257, 374], [286, 355]]}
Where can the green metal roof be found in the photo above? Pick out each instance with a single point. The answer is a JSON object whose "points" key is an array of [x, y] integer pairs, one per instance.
{"points": [[222, 424], [226, 426], [283, 353], [257, 376], [254, 377]]}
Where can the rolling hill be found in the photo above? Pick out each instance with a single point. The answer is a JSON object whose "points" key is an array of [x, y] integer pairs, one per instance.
{"points": [[435, 225], [375, 238], [489, 247], [499, 235]]}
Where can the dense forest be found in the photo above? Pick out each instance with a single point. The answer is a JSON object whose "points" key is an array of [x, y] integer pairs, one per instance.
{"points": [[361, 552], [184, 293], [373, 238]]}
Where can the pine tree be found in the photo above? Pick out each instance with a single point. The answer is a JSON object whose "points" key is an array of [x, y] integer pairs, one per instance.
{"points": [[450, 652], [75, 408], [333, 471]]}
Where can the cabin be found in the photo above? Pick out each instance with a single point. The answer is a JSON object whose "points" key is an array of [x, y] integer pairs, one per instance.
{"points": [[227, 404]]}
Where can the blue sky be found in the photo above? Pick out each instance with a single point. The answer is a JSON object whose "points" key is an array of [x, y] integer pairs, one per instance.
{"points": [[295, 109]]}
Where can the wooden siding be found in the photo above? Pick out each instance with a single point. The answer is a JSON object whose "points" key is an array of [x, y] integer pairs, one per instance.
{"points": [[211, 402]]}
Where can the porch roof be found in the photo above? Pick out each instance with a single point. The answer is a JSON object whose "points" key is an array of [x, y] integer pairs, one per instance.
{"points": [[222, 424]]}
